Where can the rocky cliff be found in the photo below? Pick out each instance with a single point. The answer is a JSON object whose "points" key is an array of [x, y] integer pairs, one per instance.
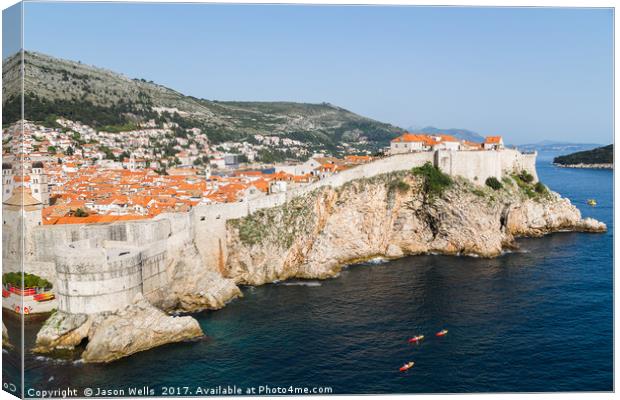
{"points": [[392, 215], [110, 336]]}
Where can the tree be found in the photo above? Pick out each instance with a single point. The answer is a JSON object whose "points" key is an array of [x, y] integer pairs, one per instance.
{"points": [[80, 213], [51, 149], [69, 151]]}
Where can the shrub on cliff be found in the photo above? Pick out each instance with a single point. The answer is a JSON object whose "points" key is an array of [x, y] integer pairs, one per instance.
{"points": [[435, 181], [526, 177], [493, 183], [540, 188], [399, 185]]}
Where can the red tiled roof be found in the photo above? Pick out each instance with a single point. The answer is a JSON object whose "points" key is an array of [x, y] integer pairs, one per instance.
{"points": [[492, 139]]}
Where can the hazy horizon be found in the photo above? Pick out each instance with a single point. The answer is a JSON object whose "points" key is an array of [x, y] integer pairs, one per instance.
{"points": [[529, 74]]}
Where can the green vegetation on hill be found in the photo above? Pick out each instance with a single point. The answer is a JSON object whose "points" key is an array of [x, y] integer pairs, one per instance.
{"points": [[600, 155], [46, 111], [105, 99]]}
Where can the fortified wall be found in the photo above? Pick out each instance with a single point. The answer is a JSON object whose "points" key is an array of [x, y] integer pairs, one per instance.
{"points": [[102, 267], [94, 277]]}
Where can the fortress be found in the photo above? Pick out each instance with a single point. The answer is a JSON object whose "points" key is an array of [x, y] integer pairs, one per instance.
{"points": [[102, 267]]}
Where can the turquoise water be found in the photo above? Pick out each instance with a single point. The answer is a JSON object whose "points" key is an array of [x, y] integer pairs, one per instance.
{"points": [[539, 319]]}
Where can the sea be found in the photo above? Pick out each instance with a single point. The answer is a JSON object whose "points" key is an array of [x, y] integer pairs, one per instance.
{"points": [[537, 319]]}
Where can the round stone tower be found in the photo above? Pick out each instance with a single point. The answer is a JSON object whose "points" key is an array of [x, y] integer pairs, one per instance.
{"points": [[20, 213]]}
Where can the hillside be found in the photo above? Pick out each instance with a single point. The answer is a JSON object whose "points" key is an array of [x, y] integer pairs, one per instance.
{"points": [[600, 155], [101, 98]]}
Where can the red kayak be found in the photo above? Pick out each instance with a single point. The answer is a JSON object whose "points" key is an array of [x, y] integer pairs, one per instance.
{"points": [[416, 339], [442, 332], [406, 366]]}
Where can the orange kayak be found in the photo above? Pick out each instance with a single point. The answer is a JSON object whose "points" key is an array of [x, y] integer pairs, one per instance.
{"points": [[406, 366], [416, 339]]}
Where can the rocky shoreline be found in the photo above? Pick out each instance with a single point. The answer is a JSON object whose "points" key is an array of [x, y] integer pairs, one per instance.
{"points": [[110, 336], [590, 166], [313, 237]]}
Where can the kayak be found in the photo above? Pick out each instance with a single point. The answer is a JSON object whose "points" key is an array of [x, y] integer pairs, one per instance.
{"points": [[416, 339], [406, 366], [591, 202], [442, 332]]}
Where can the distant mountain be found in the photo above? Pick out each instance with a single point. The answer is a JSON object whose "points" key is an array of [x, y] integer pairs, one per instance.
{"points": [[60, 88], [462, 134], [600, 155], [558, 146]]}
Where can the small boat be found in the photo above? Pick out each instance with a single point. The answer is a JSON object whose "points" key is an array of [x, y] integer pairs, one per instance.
{"points": [[406, 366], [591, 202], [442, 332], [416, 339]]}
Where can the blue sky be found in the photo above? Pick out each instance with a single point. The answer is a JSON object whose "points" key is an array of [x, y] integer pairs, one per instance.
{"points": [[527, 73]]}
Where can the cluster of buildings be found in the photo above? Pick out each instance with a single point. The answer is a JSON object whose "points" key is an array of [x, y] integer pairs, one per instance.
{"points": [[75, 174], [86, 187], [410, 142]]}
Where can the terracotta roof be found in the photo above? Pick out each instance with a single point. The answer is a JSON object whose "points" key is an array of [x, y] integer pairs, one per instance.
{"points": [[410, 137], [492, 139], [447, 138]]}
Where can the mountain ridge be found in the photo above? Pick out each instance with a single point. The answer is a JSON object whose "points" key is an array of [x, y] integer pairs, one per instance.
{"points": [[459, 133], [100, 97]]}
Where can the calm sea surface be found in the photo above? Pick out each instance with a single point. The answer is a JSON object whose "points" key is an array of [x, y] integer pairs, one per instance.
{"points": [[535, 320]]}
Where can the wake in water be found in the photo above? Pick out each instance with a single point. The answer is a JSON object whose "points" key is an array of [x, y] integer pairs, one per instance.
{"points": [[57, 361], [301, 283], [516, 251], [376, 261]]}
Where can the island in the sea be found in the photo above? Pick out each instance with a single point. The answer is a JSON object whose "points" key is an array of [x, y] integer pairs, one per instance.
{"points": [[161, 208], [601, 157]]}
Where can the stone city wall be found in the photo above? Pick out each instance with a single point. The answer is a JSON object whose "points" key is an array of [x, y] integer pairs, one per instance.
{"points": [[92, 278]]}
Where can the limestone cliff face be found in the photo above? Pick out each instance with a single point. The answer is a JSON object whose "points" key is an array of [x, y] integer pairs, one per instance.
{"points": [[111, 336], [391, 215], [195, 287], [191, 285]]}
